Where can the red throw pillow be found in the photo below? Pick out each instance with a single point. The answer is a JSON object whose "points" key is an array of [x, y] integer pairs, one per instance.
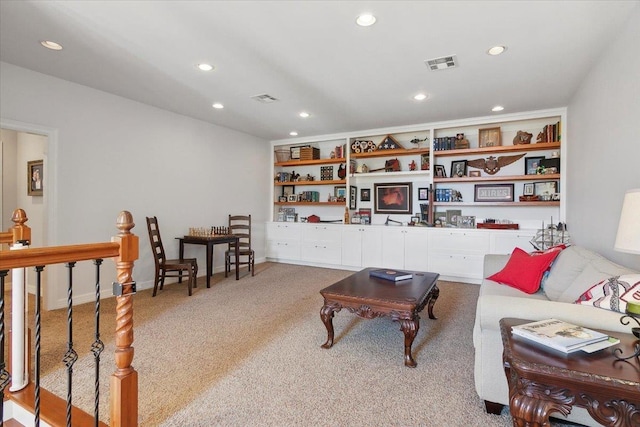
{"points": [[524, 271]]}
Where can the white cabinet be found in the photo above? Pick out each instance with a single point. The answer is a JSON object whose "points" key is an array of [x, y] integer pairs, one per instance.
{"points": [[321, 244], [283, 240], [405, 248], [361, 246], [505, 241], [458, 253]]}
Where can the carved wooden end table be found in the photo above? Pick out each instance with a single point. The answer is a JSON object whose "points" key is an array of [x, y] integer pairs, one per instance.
{"points": [[542, 381], [369, 297]]}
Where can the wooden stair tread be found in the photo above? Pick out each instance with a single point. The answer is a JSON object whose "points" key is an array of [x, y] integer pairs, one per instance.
{"points": [[53, 409]]}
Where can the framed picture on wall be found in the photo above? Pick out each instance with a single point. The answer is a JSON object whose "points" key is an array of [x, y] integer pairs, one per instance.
{"points": [[393, 198], [353, 197], [35, 176]]}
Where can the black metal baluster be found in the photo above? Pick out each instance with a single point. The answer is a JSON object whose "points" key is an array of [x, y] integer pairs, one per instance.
{"points": [[98, 345], [70, 356], [5, 377], [36, 406]]}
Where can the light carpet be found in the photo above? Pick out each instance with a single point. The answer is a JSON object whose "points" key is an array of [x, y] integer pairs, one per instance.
{"points": [[247, 353]]}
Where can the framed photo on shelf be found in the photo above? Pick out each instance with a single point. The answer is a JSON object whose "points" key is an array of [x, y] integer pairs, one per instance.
{"points": [[474, 174], [340, 191], [546, 188], [288, 189], [529, 189], [35, 177], [424, 212], [353, 196], [424, 162], [452, 217], [493, 193], [489, 137], [292, 198], [423, 194], [458, 168], [393, 198], [282, 199], [365, 194], [531, 164], [439, 171]]}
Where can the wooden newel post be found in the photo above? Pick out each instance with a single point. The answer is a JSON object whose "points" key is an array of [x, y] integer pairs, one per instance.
{"points": [[124, 381], [20, 231]]}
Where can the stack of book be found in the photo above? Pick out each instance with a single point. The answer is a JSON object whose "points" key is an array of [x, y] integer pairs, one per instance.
{"points": [[392, 275], [563, 336]]}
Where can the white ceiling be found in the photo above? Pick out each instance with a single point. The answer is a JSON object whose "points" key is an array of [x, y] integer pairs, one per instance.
{"points": [[311, 56]]}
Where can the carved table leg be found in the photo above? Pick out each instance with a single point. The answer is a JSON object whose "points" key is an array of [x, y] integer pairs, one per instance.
{"points": [[433, 296], [326, 314], [410, 328], [531, 403]]}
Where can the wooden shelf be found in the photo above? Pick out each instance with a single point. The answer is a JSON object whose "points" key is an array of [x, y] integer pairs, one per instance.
{"points": [[319, 182], [312, 162], [390, 153], [310, 203], [548, 177], [490, 204], [381, 173], [500, 149]]}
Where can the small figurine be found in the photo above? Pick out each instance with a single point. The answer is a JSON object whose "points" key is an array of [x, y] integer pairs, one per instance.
{"points": [[342, 171], [294, 176], [412, 165], [522, 137]]}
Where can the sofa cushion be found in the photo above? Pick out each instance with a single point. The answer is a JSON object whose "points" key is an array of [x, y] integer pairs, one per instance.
{"points": [[613, 293], [524, 271], [566, 275]]}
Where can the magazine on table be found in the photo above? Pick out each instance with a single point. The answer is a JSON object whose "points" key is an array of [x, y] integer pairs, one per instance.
{"points": [[560, 335], [388, 274]]}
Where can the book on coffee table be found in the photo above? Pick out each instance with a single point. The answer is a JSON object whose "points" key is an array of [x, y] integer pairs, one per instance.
{"points": [[559, 335], [393, 275]]}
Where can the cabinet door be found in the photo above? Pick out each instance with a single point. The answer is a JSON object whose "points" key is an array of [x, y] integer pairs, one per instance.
{"points": [[352, 246], [371, 247], [393, 248], [416, 249], [321, 243], [505, 242], [457, 265]]}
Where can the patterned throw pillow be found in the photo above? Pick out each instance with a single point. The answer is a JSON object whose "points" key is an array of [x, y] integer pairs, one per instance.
{"points": [[613, 293]]}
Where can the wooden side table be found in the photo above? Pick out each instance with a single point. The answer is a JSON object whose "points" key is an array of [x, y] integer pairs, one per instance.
{"points": [[542, 381]]}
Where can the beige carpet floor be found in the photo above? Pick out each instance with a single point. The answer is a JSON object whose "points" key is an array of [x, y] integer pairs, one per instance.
{"points": [[247, 353]]}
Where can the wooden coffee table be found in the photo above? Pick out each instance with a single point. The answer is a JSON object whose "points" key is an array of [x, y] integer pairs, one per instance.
{"points": [[542, 381], [369, 297]]}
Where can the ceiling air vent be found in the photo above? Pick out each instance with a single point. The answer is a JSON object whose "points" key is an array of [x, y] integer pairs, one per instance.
{"points": [[442, 63], [266, 98]]}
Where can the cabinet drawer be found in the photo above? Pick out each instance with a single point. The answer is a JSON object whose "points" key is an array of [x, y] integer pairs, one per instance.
{"points": [[458, 241], [504, 243], [468, 266], [283, 249], [322, 252], [321, 233], [283, 231]]}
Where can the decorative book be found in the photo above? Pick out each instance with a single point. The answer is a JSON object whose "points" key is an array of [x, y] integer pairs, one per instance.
{"points": [[559, 335], [393, 275]]}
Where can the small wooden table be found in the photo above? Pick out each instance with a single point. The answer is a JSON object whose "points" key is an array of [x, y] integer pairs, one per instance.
{"points": [[542, 381], [369, 297], [209, 242]]}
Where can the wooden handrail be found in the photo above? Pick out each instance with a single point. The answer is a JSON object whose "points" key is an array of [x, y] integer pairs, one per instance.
{"points": [[32, 257]]}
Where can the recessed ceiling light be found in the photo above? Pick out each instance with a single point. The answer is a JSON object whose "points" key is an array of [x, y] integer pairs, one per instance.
{"points": [[420, 97], [366, 20], [218, 106], [496, 50], [293, 133], [205, 67], [497, 108], [304, 114], [51, 45]]}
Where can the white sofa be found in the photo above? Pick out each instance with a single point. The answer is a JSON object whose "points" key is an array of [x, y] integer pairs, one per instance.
{"points": [[574, 271]]}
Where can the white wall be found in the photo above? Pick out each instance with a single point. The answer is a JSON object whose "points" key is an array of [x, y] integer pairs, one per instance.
{"points": [[108, 154], [9, 190], [604, 156]]}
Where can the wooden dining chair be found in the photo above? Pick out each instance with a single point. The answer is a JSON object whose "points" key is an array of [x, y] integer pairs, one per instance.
{"points": [[169, 267], [240, 225]]}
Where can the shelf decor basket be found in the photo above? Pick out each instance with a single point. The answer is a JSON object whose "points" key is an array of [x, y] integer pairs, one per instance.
{"points": [[282, 155], [309, 153]]}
